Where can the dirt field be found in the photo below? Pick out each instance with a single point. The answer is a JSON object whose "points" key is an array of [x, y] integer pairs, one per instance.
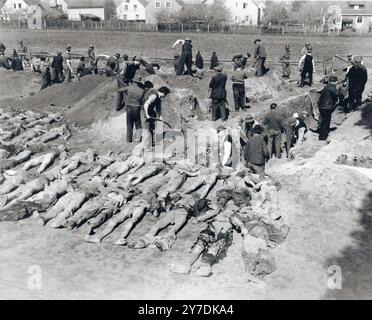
{"points": [[328, 206]]}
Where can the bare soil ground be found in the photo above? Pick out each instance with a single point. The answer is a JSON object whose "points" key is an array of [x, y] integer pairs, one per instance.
{"points": [[328, 207]]}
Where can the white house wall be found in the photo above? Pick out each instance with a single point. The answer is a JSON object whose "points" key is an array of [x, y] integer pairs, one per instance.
{"points": [[131, 13], [248, 16], [74, 14], [9, 7]]}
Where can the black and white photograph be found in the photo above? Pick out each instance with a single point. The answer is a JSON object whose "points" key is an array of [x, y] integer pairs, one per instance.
{"points": [[185, 150]]}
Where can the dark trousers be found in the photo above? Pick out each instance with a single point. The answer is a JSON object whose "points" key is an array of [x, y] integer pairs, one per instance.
{"points": [[186, 58], [219, 110], [274, 143], [150, 127], [46, 80], [324, 123], [304, 73], [133, 120], [355, 97], [57, 76], [239, 96], [260, 67], [110, 72]]}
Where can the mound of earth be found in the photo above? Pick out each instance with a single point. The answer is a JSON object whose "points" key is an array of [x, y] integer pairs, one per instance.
{"points": [[18, 84]]}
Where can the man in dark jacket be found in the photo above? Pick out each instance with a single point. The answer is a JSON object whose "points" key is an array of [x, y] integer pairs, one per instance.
{"points": [[260, 56], [285, 59], [238, 79], [199, 64], [57, 65], [274, 127], [186, 58], [2, 47], [214, 60], [81, 70], [4, 61], [240, 59], [17, 64], [256, 153], [327, 105], [307, 68], [134, 95], [218, 94], [357, 77], [45, 73]]}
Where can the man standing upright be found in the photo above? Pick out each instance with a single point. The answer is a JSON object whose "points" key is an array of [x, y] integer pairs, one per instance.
{"points": [[218, 94], [260, 56], [357, 77], [69, 73], [307, 68], [186, 57], [285, 59], [238, 87], [92, 59], [327, 105], [57, 66], [134, 95], [112, 65], [274, 127]]}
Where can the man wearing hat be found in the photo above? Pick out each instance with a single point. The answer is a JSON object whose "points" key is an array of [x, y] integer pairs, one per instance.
{"points": [[260, 56], [57, 66], [185, 58], [218, 94], [2, 47], [247, 125], [68, 65], [290, 133], [238, 77], [327, 105], [112, 65], [307, 68], [256, 153], [306, 49], [286, 66], [357, 77], [134, 97]]}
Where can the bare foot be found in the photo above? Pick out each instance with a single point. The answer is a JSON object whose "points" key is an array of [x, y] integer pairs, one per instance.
{"points": [[204, 271], [121, 242], [92, 239], [179, 268]]}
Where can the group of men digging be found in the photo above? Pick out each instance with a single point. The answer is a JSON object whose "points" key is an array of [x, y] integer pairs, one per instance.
{"points": [[41, 177]]}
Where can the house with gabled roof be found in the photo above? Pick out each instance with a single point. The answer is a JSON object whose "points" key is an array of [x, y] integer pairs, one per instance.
{"points": [[154, 8], [131, 10]]}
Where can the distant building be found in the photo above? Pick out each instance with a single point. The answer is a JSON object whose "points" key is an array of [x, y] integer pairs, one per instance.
{"points": [[354, 15], [36, 17], [245, 12], [156, 8], [86, 9], [16, 7], [132, 10]]}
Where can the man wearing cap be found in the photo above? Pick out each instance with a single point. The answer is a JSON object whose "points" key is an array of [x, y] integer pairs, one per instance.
{"points": [[112, 65], [260, 56], [357, 77], [306, 49], [186, 57], [327, 105], [152, 108], [290, 135], [286, 58], [127, 72], [248, 124], [68, 65], [274, 126], [240, 59], [214, 60], [256, 153], [238, 77], [57, 66], [133, 95], [307, 68], [218, 94]]}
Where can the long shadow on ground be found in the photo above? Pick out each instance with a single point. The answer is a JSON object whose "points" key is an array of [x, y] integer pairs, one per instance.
{"points": [[356, 260]]}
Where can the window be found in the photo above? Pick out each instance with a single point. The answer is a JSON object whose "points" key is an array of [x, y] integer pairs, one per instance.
{"points": [[157, 4], [168, 4], [15, 6], [135, 7], [125, 17], [137, 16], [126, 7], [359, 19], [20, 5], [245, 5]]}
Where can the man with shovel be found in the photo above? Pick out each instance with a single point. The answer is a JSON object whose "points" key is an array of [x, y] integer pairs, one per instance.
{"points": [[152, 108]]}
